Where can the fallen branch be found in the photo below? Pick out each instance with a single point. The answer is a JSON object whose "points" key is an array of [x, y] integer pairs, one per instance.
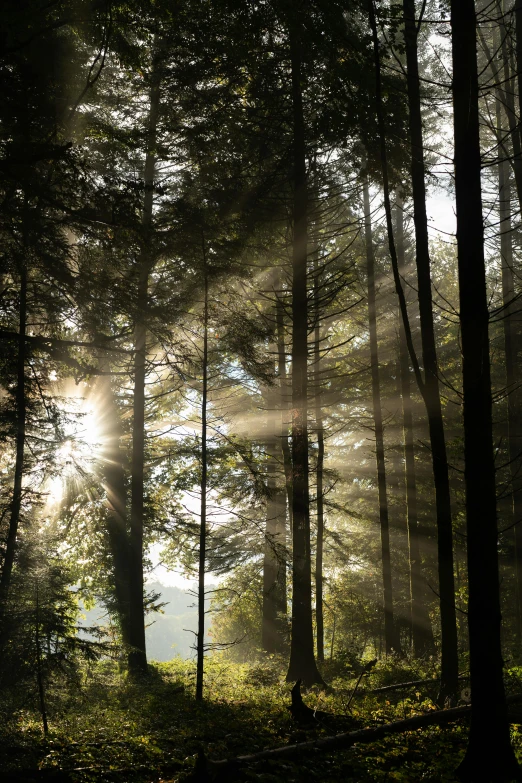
{"points": [[413, 684], [347, 739]]}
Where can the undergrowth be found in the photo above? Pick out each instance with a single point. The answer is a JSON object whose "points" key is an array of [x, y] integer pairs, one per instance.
{"points": [[106, 728]]}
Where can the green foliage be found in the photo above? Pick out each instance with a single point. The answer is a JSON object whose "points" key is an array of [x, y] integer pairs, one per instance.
{"points": [[109, 728], [41, 642]]}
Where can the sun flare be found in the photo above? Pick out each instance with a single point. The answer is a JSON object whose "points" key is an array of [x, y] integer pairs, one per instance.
{"points": [[80, 448]]}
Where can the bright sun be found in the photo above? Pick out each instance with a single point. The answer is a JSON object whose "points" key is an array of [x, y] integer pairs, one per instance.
{"points": [[79, 450]]}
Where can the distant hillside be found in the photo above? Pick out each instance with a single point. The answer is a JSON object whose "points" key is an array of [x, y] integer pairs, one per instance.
{"points": [[168, 632]]}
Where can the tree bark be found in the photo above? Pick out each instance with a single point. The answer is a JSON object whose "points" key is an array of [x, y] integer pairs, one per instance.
{"points": [[302, 661], [319, 425], [518, 52], [431, 391], [508, 97], [200, 645], [113, 468], [285, 394], [16, 503], [273, 637], [39, 668], [513, 380], [391, 636], [137, 654], [420, 625], [489, 755]]}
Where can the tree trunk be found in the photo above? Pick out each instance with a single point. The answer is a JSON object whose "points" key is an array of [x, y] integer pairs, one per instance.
{"points": [[302, 661], [391, 636], [507, 91], [203, 489], [420, 626], [285, 395], [16, 503], [284, 497], [489, 755], [39, 668], [513, 381], [113, 467], [274, 562], [429, 386], [137, 654], [270, 564], [518, 52], [319, 614], [431, 391]]}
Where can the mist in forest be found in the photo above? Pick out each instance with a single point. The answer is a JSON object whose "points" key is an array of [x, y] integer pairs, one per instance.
{"points": [[260, 390]]}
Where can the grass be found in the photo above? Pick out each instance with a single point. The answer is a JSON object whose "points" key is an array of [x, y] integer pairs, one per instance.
{"points": [[105, 728]]}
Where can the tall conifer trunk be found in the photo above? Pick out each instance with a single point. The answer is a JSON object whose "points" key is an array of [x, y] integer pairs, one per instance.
{"points": [[319, 425], [20, 400], [420, 626], [200, 644], [513, 380], [391, 636], [137, 655], [285, 458], [518, 53], [508, 100], [489, 755], [270, 564], [285, 395], [302, 661], [430, 390], [273, 631], [113, 472], [274, 561]]}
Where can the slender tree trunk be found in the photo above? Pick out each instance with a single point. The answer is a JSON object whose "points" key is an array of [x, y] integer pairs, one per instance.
{"points": [[448, 619], [39, 668], [391, 636], [270, 565], [203, 489], [137, 654], [428, 387], [513, 380], [508, 95], [420, 626], [302, 661], [16, 503], [285, 395], [274, 562], [518, 53], [283, 564], [319, 614], [113, 467], [489, 755], [285, 497]]}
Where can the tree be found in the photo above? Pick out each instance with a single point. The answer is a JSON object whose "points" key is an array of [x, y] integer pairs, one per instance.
{"points": [[203, 491], [430, 388], [429, 385], [302, 661], [420, 626], [391, 636], [489, 722]]}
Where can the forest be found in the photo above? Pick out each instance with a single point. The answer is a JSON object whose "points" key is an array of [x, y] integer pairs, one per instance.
{"points": [[260, 327]]}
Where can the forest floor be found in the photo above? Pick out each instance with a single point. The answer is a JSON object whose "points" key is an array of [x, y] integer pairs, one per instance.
{"points": [[104, 728]]}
